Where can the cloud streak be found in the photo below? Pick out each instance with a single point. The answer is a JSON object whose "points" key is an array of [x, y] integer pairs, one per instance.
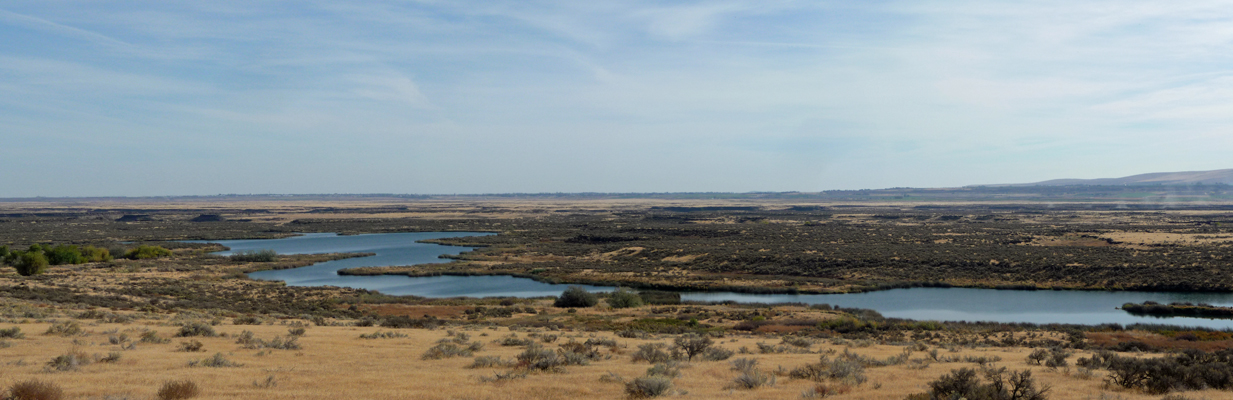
{"points": [[441, 97]]}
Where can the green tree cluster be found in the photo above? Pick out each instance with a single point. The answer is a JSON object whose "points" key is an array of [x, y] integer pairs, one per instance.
{"points": [[35, 259], [144, 252]]}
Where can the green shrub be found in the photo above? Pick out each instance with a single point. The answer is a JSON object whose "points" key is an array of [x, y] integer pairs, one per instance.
{"points": [[96, 254], [65, 254], [178, 390], [576, 296], [144, 252], [624, 298], [35, 390], [31, 263]]}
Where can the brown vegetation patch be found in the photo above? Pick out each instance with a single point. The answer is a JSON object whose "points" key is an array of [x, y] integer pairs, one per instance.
{"points": [[416, 311], [1146, 341]]}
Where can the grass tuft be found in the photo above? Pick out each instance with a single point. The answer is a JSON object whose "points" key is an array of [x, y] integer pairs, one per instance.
{"points": [[177, 390]]}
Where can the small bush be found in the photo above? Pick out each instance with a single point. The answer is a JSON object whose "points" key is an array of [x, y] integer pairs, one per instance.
{"points": [[192, 346], [744, 364], [152, 337], [178, 390], [753, 379], [624, 298], [67, 328], [716, 354], [576, 296], [197, 329], [541, 359], [648, 386], [69, 361], [652, 353], [34, 390], [798, 341], [670, 369], [12, 333], [296, 331], [445, 350], [1037, 357]]}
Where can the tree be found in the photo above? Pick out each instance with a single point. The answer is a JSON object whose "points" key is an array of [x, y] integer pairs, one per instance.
{"points": [[143, 252], [31, 263], [624, 298], [693, 344], [64, 254], [576, 296], [96, 254]]}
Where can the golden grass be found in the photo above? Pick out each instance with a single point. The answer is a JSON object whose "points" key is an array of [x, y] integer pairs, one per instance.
{"points": [[335, 364]]}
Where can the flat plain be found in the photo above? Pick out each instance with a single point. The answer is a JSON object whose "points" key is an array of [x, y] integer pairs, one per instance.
{"points": [[756, 245]]}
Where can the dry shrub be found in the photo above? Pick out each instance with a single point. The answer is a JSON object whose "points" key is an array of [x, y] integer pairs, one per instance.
{"points": [[35, 390], [648, 386], [68, 361], [176, 390], [67, 328]]}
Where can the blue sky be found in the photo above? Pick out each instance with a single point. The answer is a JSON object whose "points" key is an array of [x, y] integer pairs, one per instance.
{"points": [[188, 98]]}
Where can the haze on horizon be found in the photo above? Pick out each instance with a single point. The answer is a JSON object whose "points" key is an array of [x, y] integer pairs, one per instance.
{"points": [[200, 98]]}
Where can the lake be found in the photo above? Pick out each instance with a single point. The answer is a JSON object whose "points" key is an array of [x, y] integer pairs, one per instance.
{"points": [[944, 304]]}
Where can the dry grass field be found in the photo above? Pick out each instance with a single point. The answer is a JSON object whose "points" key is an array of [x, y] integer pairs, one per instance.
{"points": [[334, 362]]}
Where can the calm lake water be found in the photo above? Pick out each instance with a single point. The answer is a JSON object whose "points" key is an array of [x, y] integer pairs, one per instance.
{"points": [[944, 304]]}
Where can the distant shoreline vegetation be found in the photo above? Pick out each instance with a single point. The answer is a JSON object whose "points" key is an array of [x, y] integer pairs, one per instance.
{"points": [[1179, 310]]}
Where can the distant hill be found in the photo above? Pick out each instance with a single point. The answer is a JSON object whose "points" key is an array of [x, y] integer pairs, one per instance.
{"points": [[1220, 176]]}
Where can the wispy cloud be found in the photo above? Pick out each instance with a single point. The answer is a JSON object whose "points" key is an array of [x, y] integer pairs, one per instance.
{"points": [[561, 95]]}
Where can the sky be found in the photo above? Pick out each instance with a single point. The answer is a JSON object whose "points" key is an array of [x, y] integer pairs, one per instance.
{"points": [[154, 98]]}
